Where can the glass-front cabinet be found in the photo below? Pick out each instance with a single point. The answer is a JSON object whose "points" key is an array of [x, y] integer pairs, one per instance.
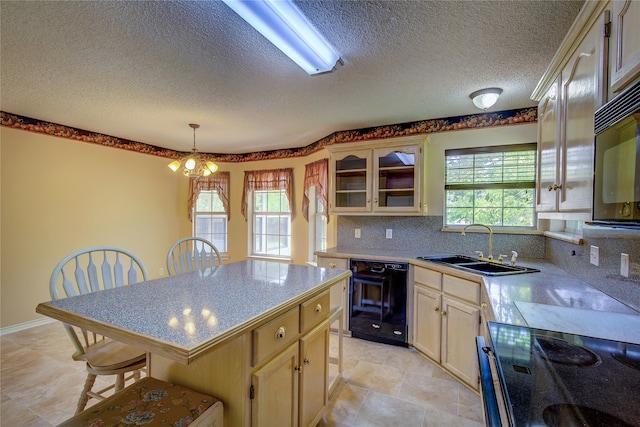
{"points": [[383, 177], [352, 178]]}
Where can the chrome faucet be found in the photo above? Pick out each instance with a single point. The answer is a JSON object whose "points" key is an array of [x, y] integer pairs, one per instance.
{"points": [[490, 239]]}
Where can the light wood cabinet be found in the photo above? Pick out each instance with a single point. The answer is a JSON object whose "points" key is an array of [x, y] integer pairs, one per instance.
{"points": [[378, 178], [274, 399], [625, 44], [569, 93], [446, 321], [339, 290], [275, 374], [460, 327], [314, 374], [565, 135], [292, 388]]}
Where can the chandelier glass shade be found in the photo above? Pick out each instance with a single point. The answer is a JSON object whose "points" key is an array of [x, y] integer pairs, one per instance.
{"points": [[485, 98], [195, 164]]}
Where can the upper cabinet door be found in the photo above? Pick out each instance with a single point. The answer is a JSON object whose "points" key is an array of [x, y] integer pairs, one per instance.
{"points": [[382, 177], [397, 184], [351, 181], [548, 137], [625, 43], [581, 96]]}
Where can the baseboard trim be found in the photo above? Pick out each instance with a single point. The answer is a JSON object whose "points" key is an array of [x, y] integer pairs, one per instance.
{"points": [[25, 325]]}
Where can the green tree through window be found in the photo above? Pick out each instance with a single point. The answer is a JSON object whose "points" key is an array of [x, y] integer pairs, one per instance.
{"points": [[491, 185]]}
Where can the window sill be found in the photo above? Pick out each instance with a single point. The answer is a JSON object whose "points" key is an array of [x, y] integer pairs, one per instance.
{"points": [[268, 258], [495, 230], [565, 236]]}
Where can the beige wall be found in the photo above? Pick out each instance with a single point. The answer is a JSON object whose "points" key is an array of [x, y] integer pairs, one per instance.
{"points": [[59, 195], [439, 142]]}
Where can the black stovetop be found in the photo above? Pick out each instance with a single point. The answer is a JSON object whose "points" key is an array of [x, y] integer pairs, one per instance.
{"points": [[558, 379]]}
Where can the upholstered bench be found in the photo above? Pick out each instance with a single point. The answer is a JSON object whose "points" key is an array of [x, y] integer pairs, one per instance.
{"points": [[152, 402]]}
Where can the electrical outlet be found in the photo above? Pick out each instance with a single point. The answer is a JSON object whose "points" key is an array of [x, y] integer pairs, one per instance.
{"points": [[594, 255], [624, 264], [161, 272], [389, 233], [357, 233]]}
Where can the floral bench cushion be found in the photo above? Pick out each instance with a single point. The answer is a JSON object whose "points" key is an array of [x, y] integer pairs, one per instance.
{"points": [[148, 402]]}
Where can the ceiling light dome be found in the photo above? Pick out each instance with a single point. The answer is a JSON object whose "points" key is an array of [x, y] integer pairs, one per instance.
{"points": [[485, 98], [194, 165]]}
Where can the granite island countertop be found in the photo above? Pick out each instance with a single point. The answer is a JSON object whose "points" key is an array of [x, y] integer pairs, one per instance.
{"points": [[547, 300], [184, 316]]}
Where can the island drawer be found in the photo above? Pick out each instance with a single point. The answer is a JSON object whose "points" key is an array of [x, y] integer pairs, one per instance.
{"points": [[429, 278], [314, 311], [461, 288], [275, 335]]}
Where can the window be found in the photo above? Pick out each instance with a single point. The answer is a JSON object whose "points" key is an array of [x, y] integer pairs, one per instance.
{"points": [[491, 185], [271, 223], [314, 205], [266, 199], [210, 219], [317, 224], [208, 207]]}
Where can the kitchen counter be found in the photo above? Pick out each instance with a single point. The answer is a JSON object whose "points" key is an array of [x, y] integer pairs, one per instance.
{"points": [[552, 286], [184, 316]]}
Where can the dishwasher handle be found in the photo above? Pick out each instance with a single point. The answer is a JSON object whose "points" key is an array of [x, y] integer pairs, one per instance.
{"points": [[487, 390]]}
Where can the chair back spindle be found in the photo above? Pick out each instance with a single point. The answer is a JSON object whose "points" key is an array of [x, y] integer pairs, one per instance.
{"points": [[191, 254]]}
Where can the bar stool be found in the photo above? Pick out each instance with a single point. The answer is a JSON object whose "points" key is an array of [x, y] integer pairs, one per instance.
{"points": [[361, 281], [152, 402]]}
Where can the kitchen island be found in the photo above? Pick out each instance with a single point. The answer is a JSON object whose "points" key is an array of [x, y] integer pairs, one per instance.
{"points": [[237, 332]]}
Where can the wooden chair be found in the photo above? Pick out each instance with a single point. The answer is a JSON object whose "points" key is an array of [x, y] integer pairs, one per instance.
{"points": [[191, 254], [90, 270]]}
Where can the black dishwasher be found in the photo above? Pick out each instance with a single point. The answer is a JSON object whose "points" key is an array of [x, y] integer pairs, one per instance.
{"points": [[378, 301]]}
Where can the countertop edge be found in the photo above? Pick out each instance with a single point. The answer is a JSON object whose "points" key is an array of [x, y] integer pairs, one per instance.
{"points": [[172, 351]]}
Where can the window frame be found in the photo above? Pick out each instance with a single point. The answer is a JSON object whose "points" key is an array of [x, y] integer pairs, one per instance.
{"points": [[223, 249], [252, 225], [318, 225], [502, 185]]}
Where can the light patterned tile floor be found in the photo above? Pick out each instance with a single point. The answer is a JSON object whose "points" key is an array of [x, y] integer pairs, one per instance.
{"points": [[382, 385]]}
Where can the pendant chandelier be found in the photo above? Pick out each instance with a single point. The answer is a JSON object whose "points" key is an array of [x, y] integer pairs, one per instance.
{"points": [[194, 165]]}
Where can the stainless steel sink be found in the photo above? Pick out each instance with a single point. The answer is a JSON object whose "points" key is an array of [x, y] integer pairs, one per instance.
{"points": [[462, 262]]}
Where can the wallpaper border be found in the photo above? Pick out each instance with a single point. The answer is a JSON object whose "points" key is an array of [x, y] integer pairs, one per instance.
{"points": [[449, 124]]}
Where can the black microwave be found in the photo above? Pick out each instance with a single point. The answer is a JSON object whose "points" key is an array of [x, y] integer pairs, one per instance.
{"points": [[616, 178]]}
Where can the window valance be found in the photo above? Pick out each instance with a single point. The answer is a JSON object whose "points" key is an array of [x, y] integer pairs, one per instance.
{"points": [[268, 179], [219, 181], [316, 174]]}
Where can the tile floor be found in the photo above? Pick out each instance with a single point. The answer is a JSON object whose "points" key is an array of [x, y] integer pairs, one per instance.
{"points": [[382, 385]]}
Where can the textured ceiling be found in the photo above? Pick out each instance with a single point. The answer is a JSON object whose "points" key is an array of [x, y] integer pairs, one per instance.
{"points": [[143, 70]]}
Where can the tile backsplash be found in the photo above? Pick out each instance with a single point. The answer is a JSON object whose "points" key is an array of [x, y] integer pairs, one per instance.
{"points": [[423, 234]]}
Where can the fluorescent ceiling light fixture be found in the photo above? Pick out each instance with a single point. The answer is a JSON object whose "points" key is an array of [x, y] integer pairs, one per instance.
{"points": [[485, 98], [282, 23]]}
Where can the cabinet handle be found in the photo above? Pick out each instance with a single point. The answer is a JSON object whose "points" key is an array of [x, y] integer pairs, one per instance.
{"points": [[436, 309], [332, 265], [318, 308], [550, 188], [307, 361], [281, 332], [554, 187], [444, 313], [483, 305]]}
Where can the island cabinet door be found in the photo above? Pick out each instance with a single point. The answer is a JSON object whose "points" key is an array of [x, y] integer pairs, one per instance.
{"points": [[314, 356], [275, 391]]}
